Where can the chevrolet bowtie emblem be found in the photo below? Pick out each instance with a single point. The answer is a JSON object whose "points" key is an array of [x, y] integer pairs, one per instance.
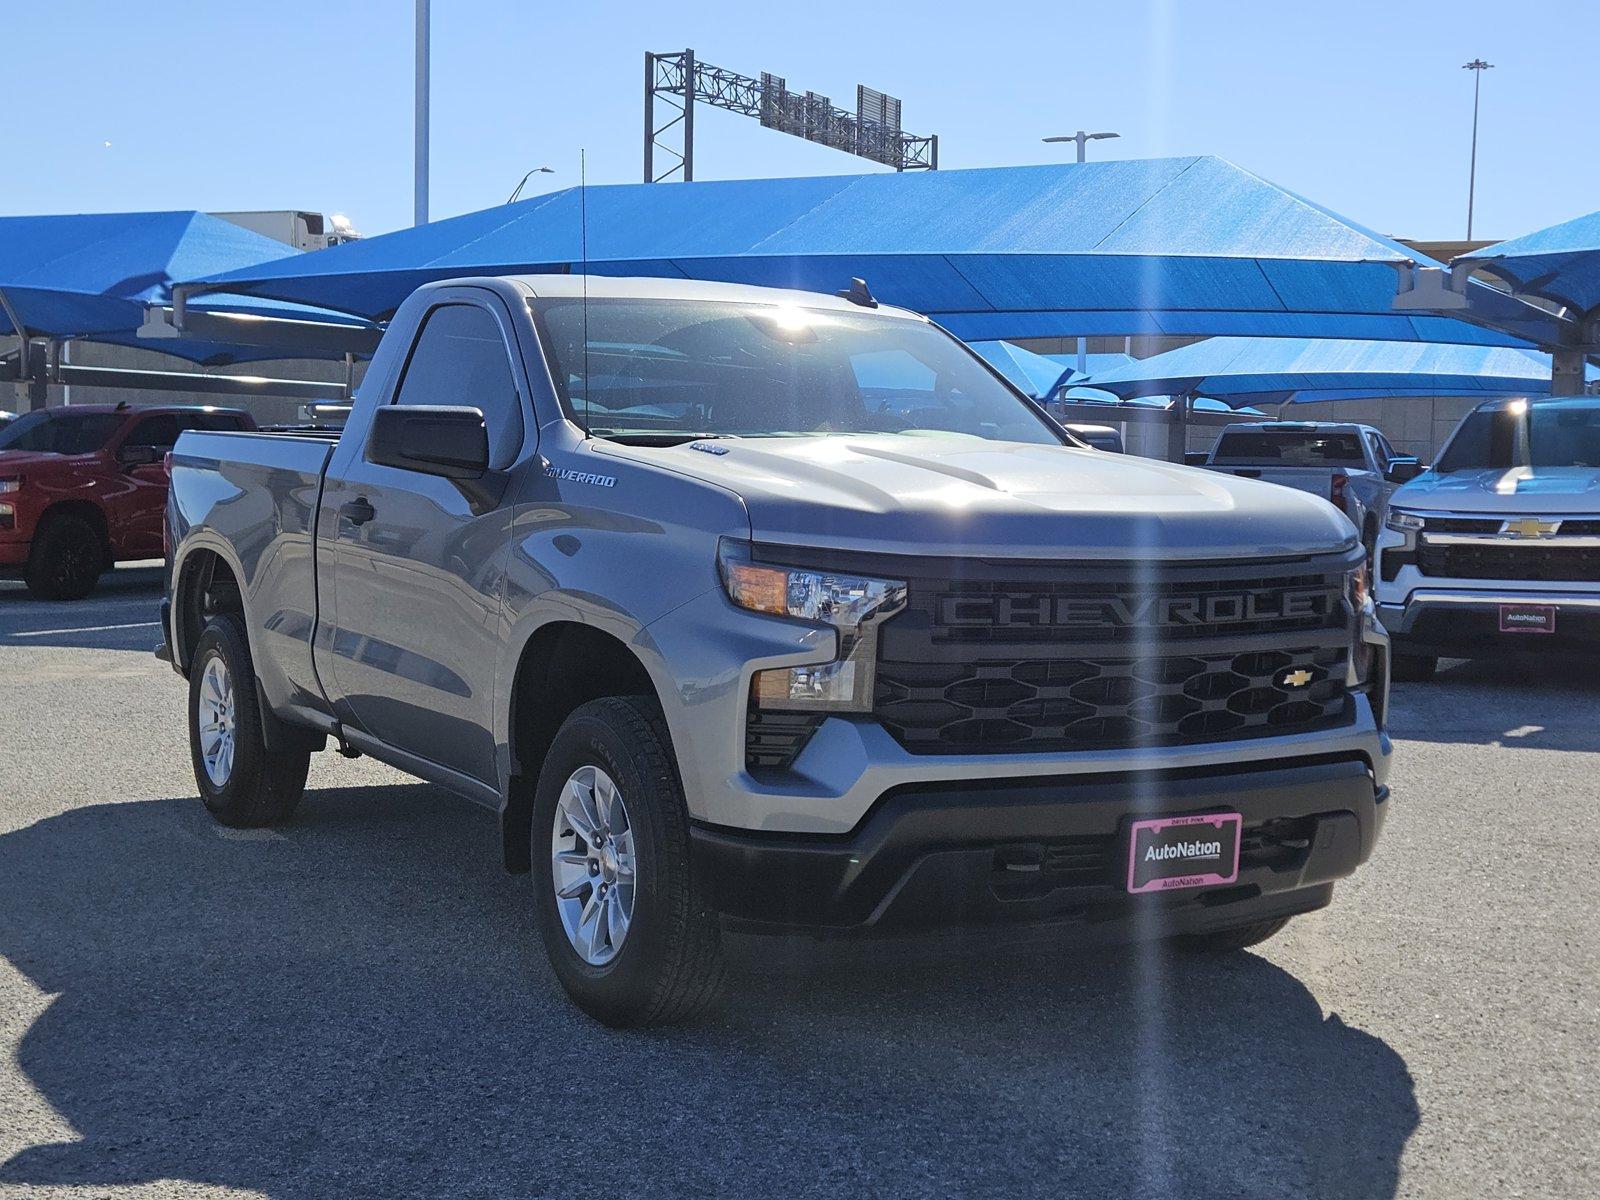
{"points": [[1529, 527], [1298, 677]]}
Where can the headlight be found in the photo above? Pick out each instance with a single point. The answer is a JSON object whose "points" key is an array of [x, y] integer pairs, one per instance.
{"points": [[1356, 586], [7, 486], [1403, 522], [852, 604]]}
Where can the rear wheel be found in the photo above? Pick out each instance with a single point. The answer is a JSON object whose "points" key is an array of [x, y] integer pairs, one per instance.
{"points": [[1225, 941], [241, 784], [67, 559], [1413, 668], [623, 923]]}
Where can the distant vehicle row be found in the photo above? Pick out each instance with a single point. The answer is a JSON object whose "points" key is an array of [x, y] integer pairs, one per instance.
{"points": [[84, 487], [1497, 547]]}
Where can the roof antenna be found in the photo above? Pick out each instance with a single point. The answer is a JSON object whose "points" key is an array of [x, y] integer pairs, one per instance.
{"points": [[858, 293], [583, 249]]}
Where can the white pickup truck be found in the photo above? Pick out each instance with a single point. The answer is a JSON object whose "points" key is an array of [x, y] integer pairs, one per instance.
{"points": [[1497, 548], [1352, 466]]}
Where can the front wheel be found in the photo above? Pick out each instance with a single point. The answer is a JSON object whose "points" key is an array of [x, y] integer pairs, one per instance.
{"points": [[241, 784], [615, 895], [67, 559]]}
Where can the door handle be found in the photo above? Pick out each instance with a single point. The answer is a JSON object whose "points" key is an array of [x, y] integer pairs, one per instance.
{"points": [[358, 511]]}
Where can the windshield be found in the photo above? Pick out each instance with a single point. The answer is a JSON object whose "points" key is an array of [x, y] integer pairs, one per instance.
{"points": [[59, 432], [1289, 447], [665, 371], [1550, 434]]}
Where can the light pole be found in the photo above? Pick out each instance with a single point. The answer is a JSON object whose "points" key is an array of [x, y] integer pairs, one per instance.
{"points": [[1082, 139], [419, 209], [523, 182], [1477, 66]]}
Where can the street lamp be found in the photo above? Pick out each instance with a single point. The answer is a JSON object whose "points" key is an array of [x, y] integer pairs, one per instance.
{"points": [[419, 121], [1477, 66], [517, 191], [1082, 139]]}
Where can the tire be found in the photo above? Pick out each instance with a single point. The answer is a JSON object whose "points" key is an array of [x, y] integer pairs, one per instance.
{"points": [[1413, 668], [665, 964], [1226, 941], [252, 788], [67, 559]]}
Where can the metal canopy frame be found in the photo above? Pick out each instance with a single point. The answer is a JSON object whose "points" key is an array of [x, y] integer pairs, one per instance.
{"points": [[38, 363], [177, 320], [1570, 338]]}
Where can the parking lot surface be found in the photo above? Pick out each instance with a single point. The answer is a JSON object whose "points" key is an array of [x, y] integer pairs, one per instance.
{"points": [[355, 1005]]}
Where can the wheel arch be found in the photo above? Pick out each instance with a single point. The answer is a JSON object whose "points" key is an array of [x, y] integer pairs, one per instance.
{"points": [[562, 665], [206, 580], [86, 509]]}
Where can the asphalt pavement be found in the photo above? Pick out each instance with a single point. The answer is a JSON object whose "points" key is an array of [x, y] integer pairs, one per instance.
{"points": [[356, 1005]]}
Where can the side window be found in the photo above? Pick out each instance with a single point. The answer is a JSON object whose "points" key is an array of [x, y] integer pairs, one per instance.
{"points": [[1380, 450], [160, 431], [460, 359]]}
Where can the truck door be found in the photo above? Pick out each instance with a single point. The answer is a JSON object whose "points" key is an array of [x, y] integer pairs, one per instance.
{"points": [[418, 561], [139, 498]]}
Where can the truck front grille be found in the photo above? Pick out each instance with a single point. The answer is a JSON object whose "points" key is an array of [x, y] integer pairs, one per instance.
{"points": [[1064, 657], [1531, 561], [1107, 703]]}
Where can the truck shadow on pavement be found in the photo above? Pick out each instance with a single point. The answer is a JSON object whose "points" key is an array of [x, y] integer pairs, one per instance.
{"points": [[355, 1007], [1523, 702]]}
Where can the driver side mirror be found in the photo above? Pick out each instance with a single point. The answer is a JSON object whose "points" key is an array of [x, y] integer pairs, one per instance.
{"points": [[138, 456], [1404, 468], [431, 439]]}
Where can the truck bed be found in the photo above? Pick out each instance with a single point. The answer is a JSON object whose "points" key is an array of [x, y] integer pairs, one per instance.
{"points": [[256, 496]]}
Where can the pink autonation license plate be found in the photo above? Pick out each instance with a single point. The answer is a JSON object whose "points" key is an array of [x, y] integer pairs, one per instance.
{"points": [[1184, 852]]}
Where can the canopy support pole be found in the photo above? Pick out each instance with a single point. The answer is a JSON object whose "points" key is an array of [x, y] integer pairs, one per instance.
{"points": [[1178, 428], [1567, 372], [36, 356]]}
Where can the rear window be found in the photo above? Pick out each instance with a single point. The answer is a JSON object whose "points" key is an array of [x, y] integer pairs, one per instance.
{"points": [[1289, 447]]}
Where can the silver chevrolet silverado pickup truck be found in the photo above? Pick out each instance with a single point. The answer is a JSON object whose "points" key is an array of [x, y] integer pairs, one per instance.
{"points": [[771, 610]]}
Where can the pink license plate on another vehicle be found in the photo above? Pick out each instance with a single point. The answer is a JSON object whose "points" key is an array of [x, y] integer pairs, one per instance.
{"points": [[1166, 853]]}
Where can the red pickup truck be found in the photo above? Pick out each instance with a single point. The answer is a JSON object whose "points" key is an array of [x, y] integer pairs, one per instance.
{"points": [[84, 487]]}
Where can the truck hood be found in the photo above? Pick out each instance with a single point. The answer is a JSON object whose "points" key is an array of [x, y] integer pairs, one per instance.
{"points": [[1498, 490], [952, 495]]}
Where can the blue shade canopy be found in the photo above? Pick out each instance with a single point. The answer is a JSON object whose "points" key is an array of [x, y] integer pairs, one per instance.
{"points": [[1179, 246], [91, 275], [1561, 263], [1271, 370], [1035, 375]]}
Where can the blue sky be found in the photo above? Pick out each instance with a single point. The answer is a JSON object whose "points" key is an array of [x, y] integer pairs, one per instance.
{"points": [[1361, 106]]}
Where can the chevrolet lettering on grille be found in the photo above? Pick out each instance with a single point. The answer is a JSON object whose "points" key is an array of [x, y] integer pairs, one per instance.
{"points": [[1067, 612]]}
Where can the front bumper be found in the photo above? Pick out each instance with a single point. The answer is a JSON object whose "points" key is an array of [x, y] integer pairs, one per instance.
{"points": [[1051, 850], [1464, 622], [704, 653]]}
